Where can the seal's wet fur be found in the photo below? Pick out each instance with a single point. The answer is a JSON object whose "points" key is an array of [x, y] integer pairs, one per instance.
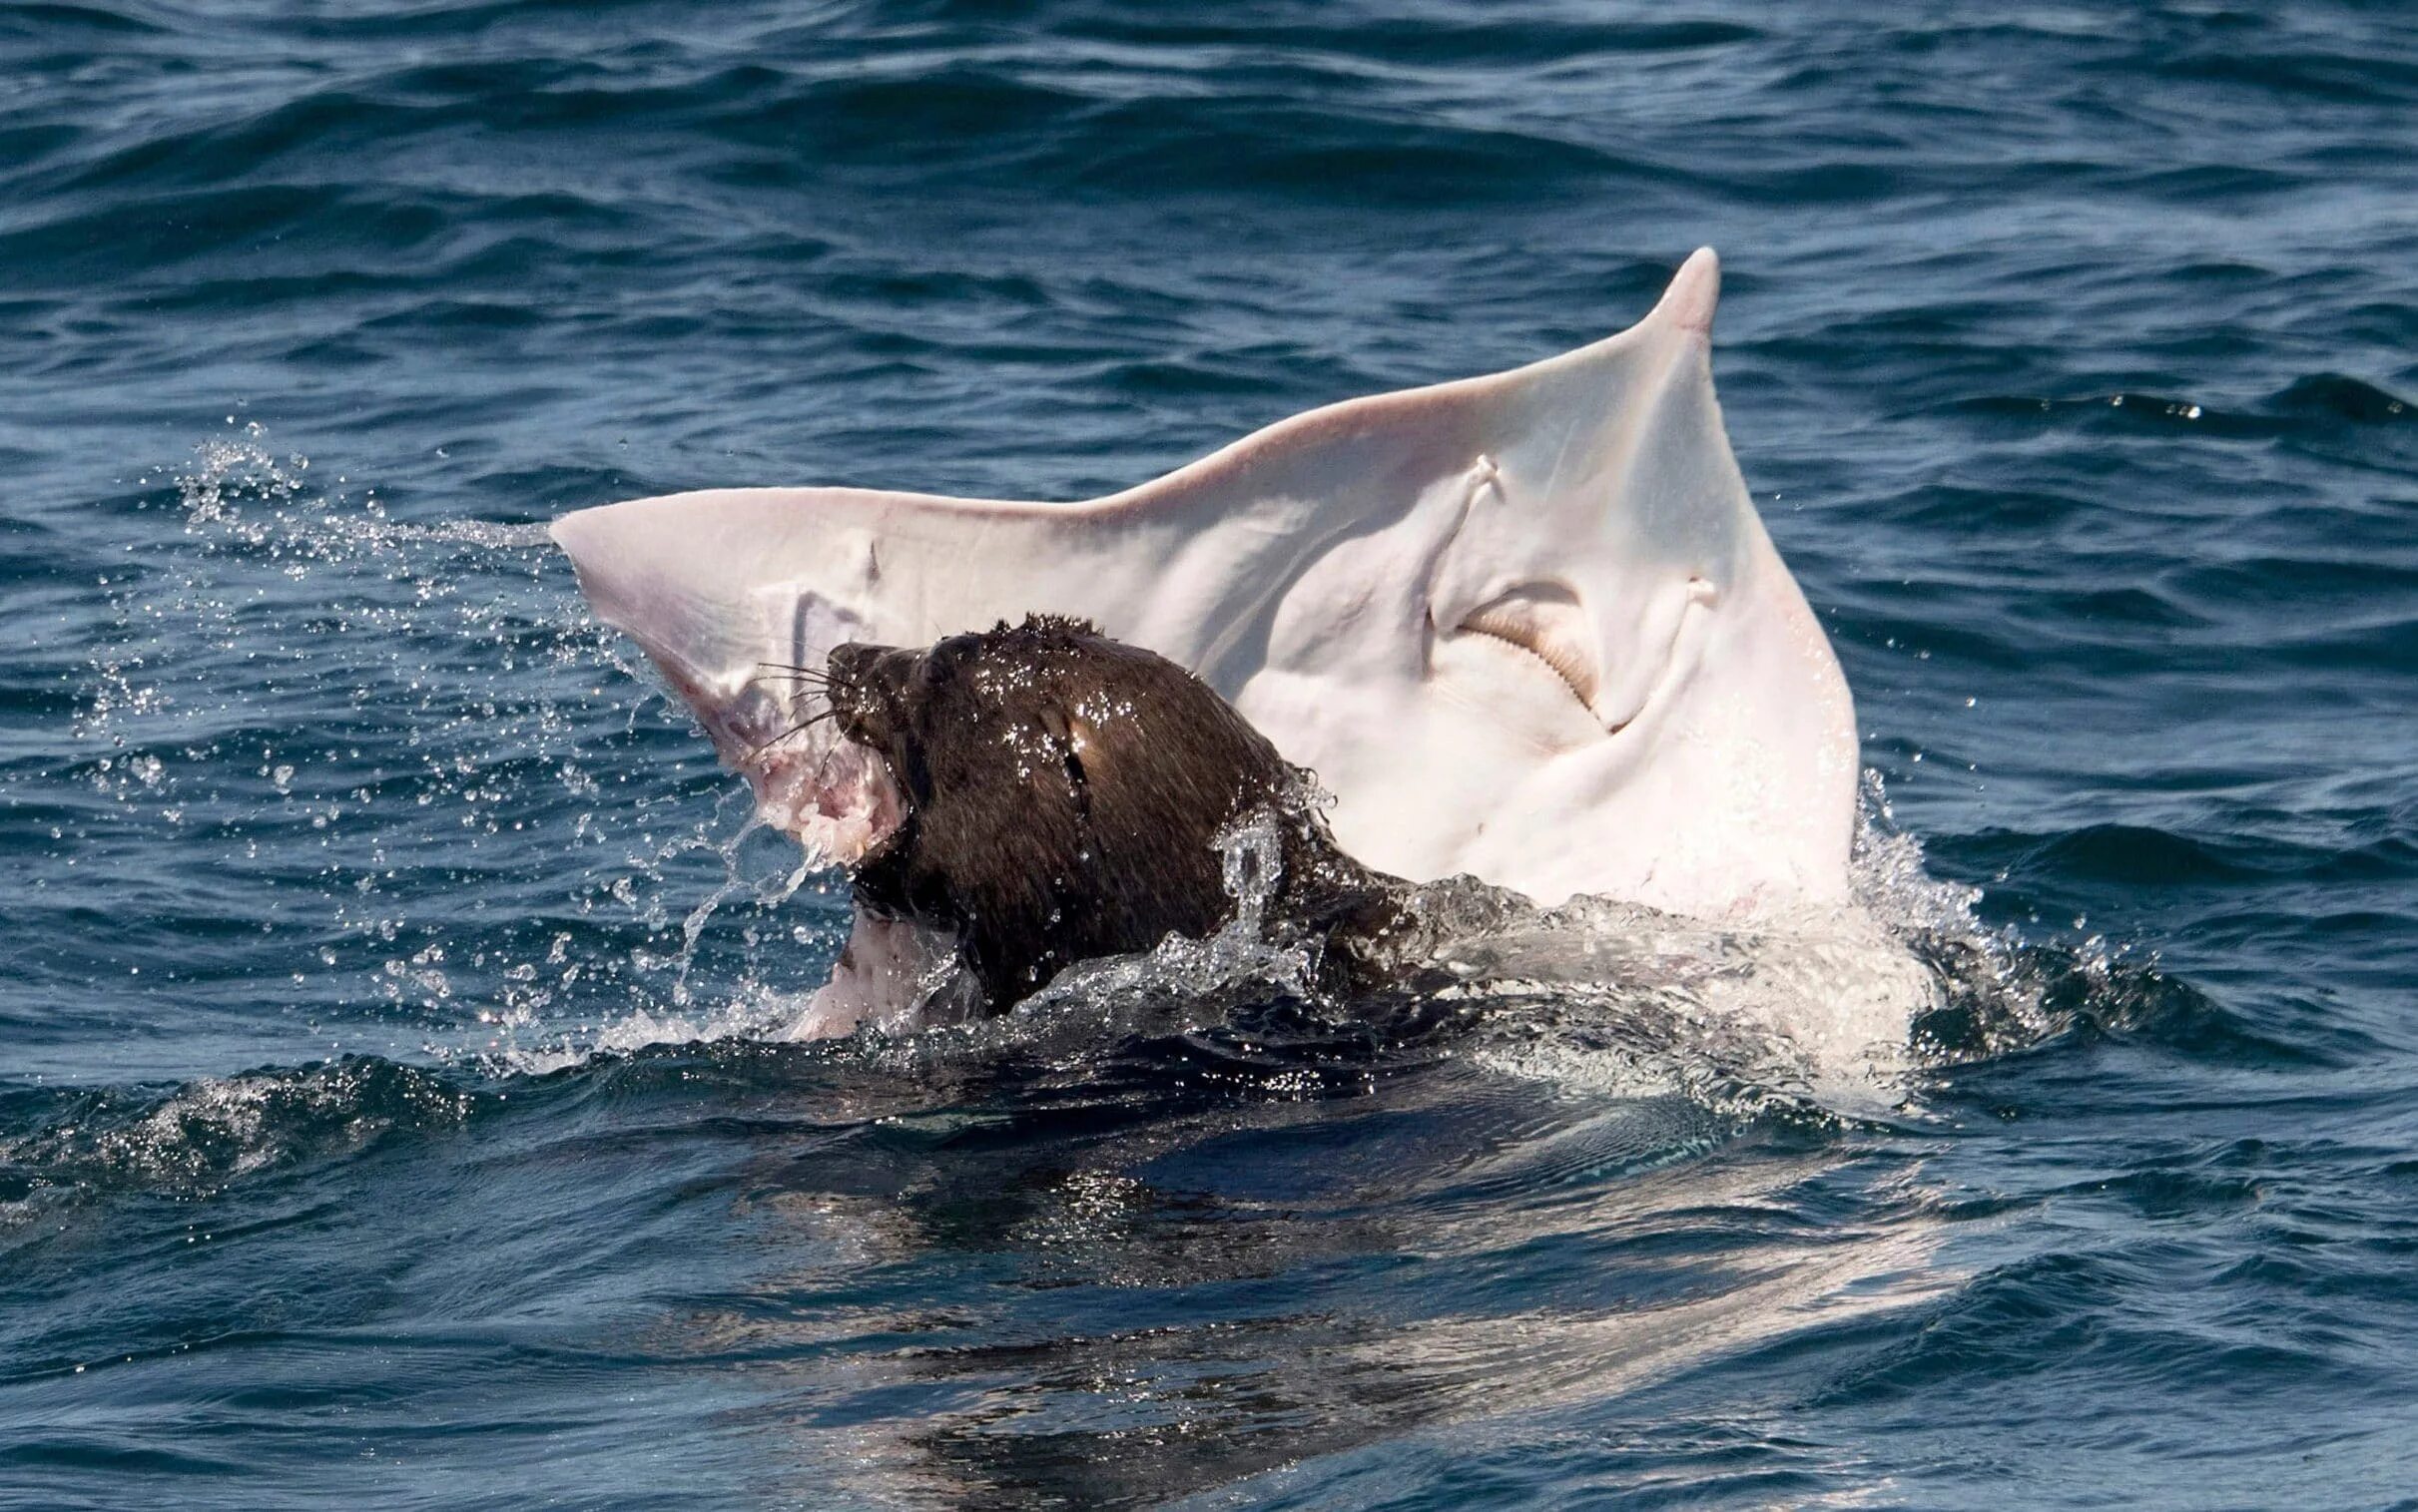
{"points": [[1064, 796]]}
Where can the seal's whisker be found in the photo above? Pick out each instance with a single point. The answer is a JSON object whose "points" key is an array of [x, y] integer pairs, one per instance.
{"points": [[809, 683], [798, 729]]}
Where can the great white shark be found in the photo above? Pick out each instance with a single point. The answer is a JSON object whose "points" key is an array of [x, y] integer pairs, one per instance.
{"points": [[1525, 626]]}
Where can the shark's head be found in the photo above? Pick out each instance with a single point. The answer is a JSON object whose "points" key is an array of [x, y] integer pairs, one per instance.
{"points": [[1525, 626]]}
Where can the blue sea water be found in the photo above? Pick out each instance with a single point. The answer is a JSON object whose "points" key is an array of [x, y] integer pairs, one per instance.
{"points": [[390, 1108]]}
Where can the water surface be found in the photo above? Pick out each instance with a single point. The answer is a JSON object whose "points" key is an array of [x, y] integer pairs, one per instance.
{"points": [[392, 1104]]}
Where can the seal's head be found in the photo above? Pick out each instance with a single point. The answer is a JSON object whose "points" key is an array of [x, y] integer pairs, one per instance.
{"points": [[1055, 794]]}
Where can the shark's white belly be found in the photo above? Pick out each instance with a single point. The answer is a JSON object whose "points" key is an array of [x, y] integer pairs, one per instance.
{"points": [[1526, 627]]}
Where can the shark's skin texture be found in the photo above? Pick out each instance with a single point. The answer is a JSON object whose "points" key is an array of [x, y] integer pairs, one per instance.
{"points": [[1524, 626]]}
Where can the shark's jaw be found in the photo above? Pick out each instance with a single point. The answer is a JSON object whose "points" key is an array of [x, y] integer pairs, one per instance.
{"points": [[1524, 626], [1547, 620]]}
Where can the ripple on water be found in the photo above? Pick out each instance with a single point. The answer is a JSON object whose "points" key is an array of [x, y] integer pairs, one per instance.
{"points": [[398, 1101]]}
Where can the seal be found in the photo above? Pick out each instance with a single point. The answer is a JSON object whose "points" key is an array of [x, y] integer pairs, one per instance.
{"points": [[1042, 794]]}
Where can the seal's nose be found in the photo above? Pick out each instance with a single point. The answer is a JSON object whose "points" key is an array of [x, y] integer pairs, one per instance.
{"points": [[848, 660], [861, 683]]}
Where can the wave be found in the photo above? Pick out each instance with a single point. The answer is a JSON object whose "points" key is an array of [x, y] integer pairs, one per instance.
{"points": [[199, 1136], [2319, 399]]}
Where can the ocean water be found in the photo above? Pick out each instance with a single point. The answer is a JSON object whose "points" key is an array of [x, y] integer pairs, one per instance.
{"points": [[393, 1104]]}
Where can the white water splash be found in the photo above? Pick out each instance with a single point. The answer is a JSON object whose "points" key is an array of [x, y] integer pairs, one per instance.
{"points": [[1595, 999], [364, 717]]}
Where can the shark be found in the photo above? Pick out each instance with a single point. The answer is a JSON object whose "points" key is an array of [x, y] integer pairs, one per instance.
{"points": [[1525, 626]]}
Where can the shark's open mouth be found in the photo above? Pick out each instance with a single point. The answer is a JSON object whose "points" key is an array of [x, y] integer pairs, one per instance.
{"points": [[1547, 622]]}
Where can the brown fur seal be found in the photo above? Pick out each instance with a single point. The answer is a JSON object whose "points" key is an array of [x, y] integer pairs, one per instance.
{"points": [[1058, 795]]}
